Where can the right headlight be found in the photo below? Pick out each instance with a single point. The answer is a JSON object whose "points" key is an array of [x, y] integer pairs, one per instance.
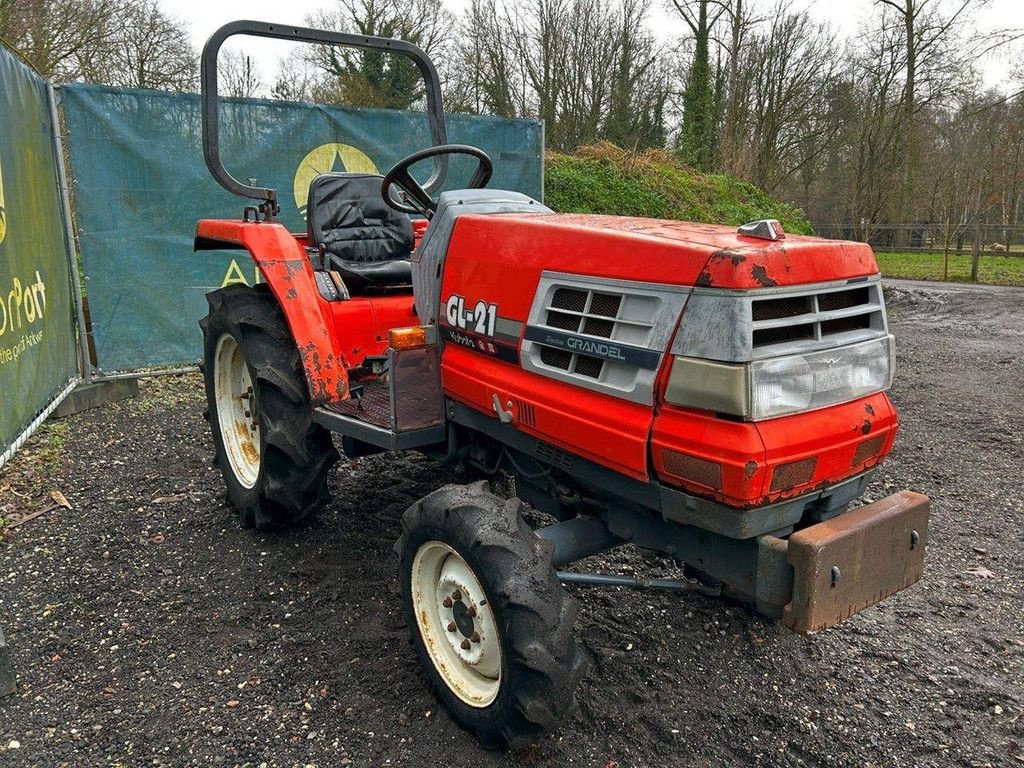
{"points": [[765, 389]]}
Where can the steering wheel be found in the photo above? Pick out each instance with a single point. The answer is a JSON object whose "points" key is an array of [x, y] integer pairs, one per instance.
{"points": [[418, 200]]}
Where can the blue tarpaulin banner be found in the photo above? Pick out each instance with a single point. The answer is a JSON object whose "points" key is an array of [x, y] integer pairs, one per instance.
{"points": [[38, 353], [140, 186]]}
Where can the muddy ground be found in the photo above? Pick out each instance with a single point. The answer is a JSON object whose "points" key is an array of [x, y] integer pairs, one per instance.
{"points": [[147, 628]]}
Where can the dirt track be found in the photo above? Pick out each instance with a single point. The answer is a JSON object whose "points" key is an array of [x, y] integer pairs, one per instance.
{"points": [[147, 628]]}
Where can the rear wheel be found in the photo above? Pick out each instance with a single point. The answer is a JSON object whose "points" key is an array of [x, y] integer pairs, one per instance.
{"points": [[273, 456], [490, 622]]}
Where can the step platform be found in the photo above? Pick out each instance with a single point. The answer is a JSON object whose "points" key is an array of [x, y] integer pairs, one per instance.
{"points": [[403, 408]]}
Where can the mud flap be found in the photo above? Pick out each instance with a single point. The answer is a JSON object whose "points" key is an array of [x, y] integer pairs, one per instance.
{"points": [[846, 564]]}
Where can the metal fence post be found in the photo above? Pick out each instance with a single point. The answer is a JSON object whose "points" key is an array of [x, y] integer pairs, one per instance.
{"points": [[976, 256], [69, 235]]}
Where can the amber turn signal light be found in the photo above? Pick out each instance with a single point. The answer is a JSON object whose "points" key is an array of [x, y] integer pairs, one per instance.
{"points": [[407, 338]]}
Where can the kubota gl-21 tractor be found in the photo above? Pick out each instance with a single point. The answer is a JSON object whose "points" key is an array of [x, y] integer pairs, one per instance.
{"points": [[717, 395]]}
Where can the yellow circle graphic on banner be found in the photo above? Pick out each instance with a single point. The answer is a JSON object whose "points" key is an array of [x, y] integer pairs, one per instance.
{"points": [[3, 209], [328, 158]]}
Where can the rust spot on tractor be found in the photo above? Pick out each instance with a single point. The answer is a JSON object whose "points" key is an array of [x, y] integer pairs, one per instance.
{"points": [[246, 445], [869, 409], [750, 468], [761, 276], [865, 428], [291, 294], [704, 280], [727, 255]]}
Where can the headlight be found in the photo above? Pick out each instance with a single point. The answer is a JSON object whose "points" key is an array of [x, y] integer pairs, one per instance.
{"points": [[765, 389]]}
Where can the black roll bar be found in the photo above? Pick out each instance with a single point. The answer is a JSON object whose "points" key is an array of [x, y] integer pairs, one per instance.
{"points": [[211, 100]]}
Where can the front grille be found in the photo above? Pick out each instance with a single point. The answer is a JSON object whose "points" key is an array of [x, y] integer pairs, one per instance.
{"points": [[592, 326], [766, 336], [788, 306], [570, 298], [591, 313], [605, 304], [828, 302], [829, 315], [563, 321], [589, 366], [556, 358]]}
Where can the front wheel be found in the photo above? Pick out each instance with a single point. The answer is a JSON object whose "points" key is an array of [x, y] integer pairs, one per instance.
{"points": [[490, 622]]}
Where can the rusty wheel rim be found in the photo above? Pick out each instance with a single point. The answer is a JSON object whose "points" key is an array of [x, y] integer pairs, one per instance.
{"points": [[237, 411], [457, 624]]}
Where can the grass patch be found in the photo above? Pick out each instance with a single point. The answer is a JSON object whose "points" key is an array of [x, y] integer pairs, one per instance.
{"points": [[606, 179], [993, 269], [27, 479]]}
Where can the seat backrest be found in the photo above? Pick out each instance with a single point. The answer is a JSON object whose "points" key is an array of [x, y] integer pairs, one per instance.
{"points": [[347, 217]]}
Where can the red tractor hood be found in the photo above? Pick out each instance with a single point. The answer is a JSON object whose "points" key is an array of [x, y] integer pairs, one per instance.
{"points": [[663, 251]]}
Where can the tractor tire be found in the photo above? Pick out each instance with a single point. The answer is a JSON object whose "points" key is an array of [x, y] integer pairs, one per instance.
{"points": [[273, 456], [490, 622]]}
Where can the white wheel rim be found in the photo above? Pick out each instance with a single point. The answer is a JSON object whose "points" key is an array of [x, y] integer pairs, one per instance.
{"points": [[237, 411], [456, 622]]}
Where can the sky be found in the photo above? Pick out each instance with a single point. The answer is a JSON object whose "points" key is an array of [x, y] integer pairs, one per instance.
{"points": [[204, 17]]}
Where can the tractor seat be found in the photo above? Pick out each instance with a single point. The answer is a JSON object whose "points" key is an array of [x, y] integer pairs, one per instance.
{"points": [[358, 235]]}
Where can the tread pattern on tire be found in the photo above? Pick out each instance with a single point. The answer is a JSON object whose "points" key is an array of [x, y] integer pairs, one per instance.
{"points": [[536, 615], [297, 453]]}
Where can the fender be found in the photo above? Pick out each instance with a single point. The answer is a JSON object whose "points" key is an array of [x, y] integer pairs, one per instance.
{"points": [[287, 271]]}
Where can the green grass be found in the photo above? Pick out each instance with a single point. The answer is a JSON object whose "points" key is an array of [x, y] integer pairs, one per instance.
{"points": [[609, 180], [993, 269], [27, 479]]}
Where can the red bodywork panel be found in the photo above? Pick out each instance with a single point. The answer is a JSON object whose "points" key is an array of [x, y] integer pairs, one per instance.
{"points": [[331, 336], [750, 452], [499, 258], [651, 250]]}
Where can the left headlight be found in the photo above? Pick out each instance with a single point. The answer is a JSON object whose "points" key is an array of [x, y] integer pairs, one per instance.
{"points": [[765, 389]]}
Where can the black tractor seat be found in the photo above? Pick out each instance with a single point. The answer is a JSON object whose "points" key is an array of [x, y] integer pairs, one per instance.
{"points": [[356, 233]]}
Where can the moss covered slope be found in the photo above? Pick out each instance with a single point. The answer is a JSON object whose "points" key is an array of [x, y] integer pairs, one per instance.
{"points": [[606, 179]]}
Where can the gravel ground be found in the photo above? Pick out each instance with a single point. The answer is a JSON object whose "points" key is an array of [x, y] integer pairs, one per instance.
{"points": [[147, 628]]}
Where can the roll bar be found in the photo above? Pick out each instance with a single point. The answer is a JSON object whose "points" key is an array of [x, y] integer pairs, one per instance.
{"points": [[211, 100]]}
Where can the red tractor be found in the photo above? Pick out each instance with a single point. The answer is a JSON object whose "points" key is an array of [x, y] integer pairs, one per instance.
{"points": [[715, 394]]}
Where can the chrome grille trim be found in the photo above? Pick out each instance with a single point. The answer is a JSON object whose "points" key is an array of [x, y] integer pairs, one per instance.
{"points": [[719, 324], [572, 335]]}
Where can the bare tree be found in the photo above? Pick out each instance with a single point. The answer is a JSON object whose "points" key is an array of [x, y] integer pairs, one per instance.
{"points": [[934, 41], [59, 38], [375, 78], [148, 49], [639, 84], [741, 20], [239, 77], [786, 72], [484, 75], [295, 79]]}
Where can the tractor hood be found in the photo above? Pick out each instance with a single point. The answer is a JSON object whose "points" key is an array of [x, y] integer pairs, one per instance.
{"points": [[664, 251]]}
